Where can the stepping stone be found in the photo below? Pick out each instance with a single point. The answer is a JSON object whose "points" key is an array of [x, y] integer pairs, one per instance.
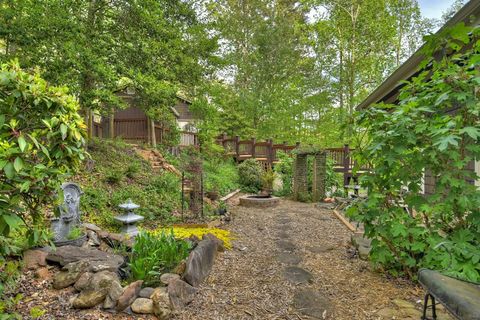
{"points": [[310, 303], [297, 275], [319, 249], [288, 258], [283, 227], [284, 220], [283, 235], [286, 245]]}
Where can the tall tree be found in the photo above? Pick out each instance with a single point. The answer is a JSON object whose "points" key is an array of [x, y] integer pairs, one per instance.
{"points": [[90, 45]]}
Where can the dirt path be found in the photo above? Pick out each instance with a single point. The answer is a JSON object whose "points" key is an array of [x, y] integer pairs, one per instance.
{"points": [[294, 262]]}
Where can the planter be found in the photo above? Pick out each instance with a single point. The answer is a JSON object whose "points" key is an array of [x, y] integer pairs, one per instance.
{"points": [[259, 201], [75, 242]]}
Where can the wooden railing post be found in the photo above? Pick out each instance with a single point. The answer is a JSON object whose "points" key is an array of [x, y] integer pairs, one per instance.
{"points": [[253, 147], [270, 155], [236, 146], [346, 164]]}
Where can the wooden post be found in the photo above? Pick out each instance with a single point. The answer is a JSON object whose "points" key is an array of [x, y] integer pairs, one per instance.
{"points": [[346, 164], [90, 123], [111, 124], [253, 147], [154, 138], [237, 150], [270, 155], [149, 131]]}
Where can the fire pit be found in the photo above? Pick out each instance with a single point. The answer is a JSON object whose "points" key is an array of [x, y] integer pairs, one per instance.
{"points": [[259, 201]]}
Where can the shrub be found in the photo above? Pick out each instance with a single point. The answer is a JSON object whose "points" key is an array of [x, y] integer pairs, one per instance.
{"points": [[41, 142], [435, 128], [250, 173], [220, 175], [154, 254], [268, 178], [113, 177], [132, 170]]}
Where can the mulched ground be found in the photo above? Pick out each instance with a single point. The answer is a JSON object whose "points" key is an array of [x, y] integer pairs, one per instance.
{"points": [[259, 278], [249, 281]]}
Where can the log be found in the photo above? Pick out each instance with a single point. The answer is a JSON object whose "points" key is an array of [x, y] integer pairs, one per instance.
{"points": [[344, 221]]}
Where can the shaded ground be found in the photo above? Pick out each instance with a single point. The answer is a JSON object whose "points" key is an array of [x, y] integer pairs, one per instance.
{"points": [[294, 262], [289, 262]]}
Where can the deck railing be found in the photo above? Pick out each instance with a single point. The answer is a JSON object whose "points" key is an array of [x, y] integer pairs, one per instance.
{"points": [[267, 153]]}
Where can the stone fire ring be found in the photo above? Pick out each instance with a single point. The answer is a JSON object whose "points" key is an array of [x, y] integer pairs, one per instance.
{"points": [[253, 201]]}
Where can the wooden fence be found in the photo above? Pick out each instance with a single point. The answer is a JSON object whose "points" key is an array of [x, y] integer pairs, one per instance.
{"points": [[266, 153]]}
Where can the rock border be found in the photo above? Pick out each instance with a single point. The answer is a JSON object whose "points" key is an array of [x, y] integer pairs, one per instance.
{"points": [[93, 271]]}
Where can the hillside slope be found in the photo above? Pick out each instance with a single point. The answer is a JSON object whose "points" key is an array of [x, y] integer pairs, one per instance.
{"points": [[116, 173]]}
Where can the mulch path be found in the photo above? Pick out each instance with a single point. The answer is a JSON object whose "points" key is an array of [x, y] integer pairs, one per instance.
{"points": [[257, 278], [251, 282]]}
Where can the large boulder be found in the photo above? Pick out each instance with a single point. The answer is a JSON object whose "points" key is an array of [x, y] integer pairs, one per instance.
{"points": [[70, 274], [162, 306], [33, 259], [130, 293], [98, 260], [200, 262], [113, 295], [166, 278], [142, 306], [180, 293], [96, 291], [83, 281]]}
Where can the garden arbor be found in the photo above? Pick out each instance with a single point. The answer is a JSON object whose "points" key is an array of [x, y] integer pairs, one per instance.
{"points": [[300, 175]]}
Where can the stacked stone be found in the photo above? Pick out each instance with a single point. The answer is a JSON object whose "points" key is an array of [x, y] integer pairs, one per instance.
{"points": [[319, 176], [300, 184]]}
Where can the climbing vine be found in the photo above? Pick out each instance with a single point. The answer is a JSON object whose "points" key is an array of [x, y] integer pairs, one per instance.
{"points": [[431, 134]]}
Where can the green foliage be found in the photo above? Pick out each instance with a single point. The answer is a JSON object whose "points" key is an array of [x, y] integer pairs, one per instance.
{"points": [[41, 143], [92, 45], [158, 194], [75, 233], [9, 274], [434, 130], [113, 177], [132, 170], [220, 175], [250, 173], [284, 168], [154, 254], [37, 312], [268, 177], [285, 171]]}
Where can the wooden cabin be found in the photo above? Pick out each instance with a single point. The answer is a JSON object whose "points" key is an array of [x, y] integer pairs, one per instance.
{"points": [[133, 125]]}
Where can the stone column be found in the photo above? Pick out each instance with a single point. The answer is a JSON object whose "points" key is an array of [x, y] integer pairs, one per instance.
{"points": [[300, 183], [319, 176]]}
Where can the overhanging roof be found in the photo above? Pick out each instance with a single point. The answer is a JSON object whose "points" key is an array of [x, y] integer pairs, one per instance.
{"points": [[410, 67]]}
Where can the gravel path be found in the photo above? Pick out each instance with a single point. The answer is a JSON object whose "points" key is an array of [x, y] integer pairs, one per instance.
{"points": [[293, 262]]}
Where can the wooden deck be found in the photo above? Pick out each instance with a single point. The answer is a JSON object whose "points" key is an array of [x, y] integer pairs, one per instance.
{"points": [[266, 152]]}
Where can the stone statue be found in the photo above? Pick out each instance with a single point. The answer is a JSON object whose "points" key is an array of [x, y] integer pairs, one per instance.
{"points": [[69, 212]]}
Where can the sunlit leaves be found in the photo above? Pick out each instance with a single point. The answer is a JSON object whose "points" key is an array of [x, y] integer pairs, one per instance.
{"points": [[31, 131], [430, 140]]}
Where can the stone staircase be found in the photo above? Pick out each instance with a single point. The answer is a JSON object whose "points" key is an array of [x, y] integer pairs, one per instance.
{"points": [[156, 160]]}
